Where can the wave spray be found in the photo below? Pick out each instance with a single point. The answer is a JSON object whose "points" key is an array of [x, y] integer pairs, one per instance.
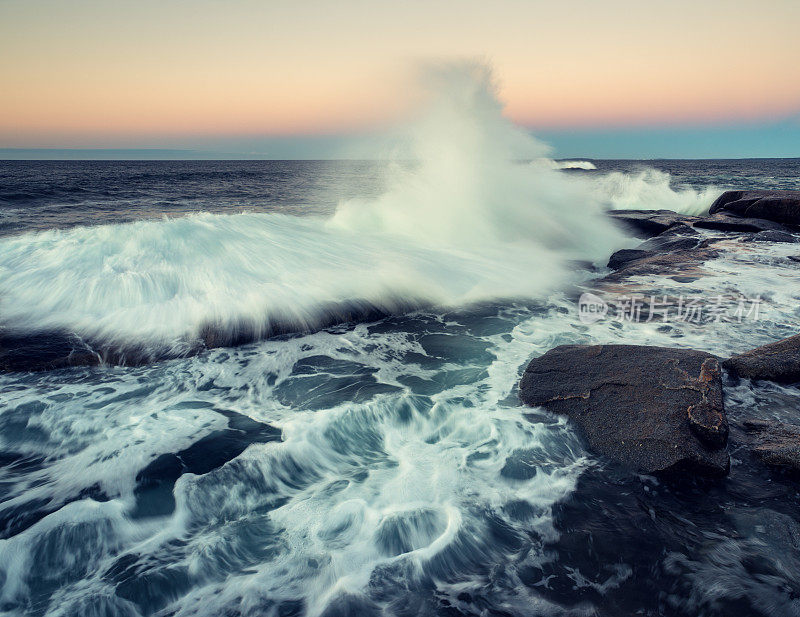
{"points": [[464, 221]]}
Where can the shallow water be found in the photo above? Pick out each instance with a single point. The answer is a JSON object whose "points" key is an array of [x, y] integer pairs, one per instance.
{"points": [[383, 467]]}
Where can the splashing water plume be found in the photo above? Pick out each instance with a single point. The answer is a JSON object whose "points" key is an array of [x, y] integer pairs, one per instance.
{"points": [[469, 189], [465, 223]]}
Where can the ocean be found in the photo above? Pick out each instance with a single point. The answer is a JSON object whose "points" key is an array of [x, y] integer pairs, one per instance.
{"points": [[308, 406]]}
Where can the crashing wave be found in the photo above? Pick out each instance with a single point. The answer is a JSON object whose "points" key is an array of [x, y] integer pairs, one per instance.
{"points": [[467, 224], [652, 189]]}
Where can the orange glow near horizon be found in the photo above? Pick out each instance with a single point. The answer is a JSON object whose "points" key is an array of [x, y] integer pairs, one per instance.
{"points": [[90, 72]]}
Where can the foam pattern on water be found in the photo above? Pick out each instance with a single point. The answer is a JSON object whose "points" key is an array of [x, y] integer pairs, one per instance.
{"points": [[406, 477]]}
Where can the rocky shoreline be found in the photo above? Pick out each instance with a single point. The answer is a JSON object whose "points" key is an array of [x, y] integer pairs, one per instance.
{"points": [[661, 410]]}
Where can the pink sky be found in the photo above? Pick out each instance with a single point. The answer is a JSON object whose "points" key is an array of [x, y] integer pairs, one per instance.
{"points": [[85, 73]]}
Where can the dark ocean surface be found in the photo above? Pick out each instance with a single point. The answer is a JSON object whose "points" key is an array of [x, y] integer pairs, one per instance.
{"points": [[377, 466], [38, 195]]}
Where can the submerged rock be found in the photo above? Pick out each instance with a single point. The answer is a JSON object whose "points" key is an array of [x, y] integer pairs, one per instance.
{"points": [[35, 351], [779, 206], [655, 409], [778, 361]]}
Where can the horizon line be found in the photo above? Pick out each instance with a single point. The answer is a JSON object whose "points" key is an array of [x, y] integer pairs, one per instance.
{"points": [[228, 156]]}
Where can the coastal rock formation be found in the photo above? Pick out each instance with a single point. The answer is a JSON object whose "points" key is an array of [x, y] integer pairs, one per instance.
{"points": [[648, 223], [625, 256], [675, 245], [778, 361], [641, 262], [654, 409], [737, 224], [774, 443], [775, 235], [779, 206]]}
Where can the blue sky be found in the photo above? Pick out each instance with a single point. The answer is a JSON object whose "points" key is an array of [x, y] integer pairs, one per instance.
{"points": [[779, 140]]}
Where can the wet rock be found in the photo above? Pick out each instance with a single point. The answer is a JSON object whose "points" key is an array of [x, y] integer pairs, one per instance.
{"points": [[652, 223], [622, 257], [669, 241], [34, 351], [683, 263], [779, 206], [774, 443], [778, 361], [795, 258], [648, 223], [654, 409], [724, 222], [775, 236]]}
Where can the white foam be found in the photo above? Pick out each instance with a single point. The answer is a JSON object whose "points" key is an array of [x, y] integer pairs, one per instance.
{"points": [[651, 189], [552, 164]]}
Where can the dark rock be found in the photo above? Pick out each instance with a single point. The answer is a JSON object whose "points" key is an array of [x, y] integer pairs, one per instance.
{"points": [[778, 361], [775, 443], [668, 242], [795, 258], [774, 236], [651, 223], [684, 263], [48, 350], [651, 408], [724, 222], [32, 351], [155, 483], [648, 223], [622, 257], [679, 229], [779, 206]]}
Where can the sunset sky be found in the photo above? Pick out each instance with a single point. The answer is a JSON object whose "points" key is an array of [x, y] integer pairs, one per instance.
{"points": [[286, 78]]}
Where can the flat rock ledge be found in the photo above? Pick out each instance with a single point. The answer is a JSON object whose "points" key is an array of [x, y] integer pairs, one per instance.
{"points": [[654, 409]]}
